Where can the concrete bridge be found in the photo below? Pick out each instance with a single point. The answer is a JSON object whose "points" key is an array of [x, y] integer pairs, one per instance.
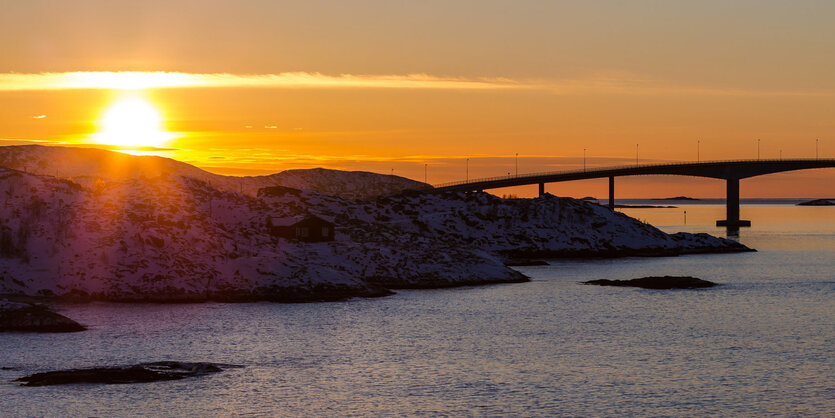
{"points": [[730, 171]]}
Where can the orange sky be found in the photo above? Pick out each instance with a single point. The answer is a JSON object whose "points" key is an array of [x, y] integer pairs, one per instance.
{"points": [[263, 86]]}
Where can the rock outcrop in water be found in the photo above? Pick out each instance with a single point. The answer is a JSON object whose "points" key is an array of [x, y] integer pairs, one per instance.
{"points": [[657, 282], [139, 373], [818, 202], [23, 317]]}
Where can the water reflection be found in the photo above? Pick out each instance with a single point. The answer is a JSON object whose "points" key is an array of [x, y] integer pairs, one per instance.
{"points": [[765, 215]]}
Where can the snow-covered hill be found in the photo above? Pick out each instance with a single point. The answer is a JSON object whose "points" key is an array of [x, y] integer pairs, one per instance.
{"points": [[87, 166], [177, 238], [348, 184]]}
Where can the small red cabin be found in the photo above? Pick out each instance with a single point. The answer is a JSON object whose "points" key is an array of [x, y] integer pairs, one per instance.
{"points": [[307, 228]]}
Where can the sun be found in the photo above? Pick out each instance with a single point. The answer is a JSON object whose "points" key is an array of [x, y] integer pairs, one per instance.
{"points": [[132, 122]]}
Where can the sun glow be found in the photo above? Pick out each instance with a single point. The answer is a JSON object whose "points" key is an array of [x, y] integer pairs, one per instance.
{"points": [[132, 122]]}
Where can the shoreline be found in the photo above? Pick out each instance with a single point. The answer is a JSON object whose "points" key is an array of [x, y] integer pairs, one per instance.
{"points": [[377, 288]]}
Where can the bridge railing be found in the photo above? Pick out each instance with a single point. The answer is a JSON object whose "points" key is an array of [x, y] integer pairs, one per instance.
{"points": [[612, 168]]}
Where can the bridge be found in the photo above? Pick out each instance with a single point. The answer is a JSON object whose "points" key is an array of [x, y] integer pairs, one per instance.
{"points": [[731, 171]]}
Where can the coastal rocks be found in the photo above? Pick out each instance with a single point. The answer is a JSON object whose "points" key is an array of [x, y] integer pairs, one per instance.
{"points": [[701, 243], [139, 373], [656, 282], [23, 317]]}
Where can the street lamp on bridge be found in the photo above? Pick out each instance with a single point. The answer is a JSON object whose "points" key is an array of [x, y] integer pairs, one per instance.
{"points": [[517, 164]]}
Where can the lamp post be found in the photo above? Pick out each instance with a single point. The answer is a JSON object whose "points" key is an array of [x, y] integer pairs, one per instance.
{"points": [[584, 160]]}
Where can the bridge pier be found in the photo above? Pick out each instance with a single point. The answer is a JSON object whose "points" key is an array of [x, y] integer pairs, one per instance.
{"points": [[612, 192], [732, 220], [541, 189]]}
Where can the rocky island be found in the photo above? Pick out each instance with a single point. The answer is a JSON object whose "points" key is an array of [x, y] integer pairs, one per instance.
{"points": [[656, 282], [99, 225], [139, 373], [818, 202], [25, 317]]}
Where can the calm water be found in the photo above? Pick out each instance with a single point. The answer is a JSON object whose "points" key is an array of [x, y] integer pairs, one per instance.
{"points": [[763, 343]]}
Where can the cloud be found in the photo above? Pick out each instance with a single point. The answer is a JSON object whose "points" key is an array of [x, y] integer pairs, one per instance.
{"points": [[132, 80], [614, 83], [39, 117]]}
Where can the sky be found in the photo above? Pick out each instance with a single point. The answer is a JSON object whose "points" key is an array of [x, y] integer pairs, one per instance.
{"points": [[435, 90]]}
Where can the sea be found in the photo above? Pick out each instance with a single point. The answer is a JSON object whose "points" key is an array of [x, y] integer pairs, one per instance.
{"points": [[762, 343]]}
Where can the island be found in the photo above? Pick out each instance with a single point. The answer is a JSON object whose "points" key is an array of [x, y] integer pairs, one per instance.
{"points": [[656, 282], [677, 198], [159, 230], [26, 317], [818, 202], [644, 206], [138, 373]]}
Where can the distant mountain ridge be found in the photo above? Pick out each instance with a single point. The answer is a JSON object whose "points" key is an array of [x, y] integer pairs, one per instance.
{"points": [[89, 165]]}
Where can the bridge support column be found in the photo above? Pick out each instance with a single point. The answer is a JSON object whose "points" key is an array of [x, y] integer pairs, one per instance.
{"points": [[612, 192], [541, 189], [732, 206]]}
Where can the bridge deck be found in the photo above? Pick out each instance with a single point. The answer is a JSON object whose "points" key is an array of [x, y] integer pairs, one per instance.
{"points": [[738, 169], [731, 171]]}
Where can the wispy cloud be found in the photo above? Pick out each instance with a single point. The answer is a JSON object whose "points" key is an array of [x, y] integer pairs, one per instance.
{"points": [[129, 80], [602, 83], [38, 117]]}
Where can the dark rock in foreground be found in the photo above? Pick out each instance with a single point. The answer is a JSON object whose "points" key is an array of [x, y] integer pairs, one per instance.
{"points": [[657, 282], [139, 373], [23, 317]]}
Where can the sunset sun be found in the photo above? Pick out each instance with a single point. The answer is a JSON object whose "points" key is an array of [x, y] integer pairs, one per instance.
{"points": [[132, 122]]}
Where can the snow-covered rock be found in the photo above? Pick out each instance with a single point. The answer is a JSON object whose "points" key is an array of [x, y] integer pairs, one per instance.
{"points": [[89, 166], [179, 239], [347, 184], [174, 237], [547, 226]]}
